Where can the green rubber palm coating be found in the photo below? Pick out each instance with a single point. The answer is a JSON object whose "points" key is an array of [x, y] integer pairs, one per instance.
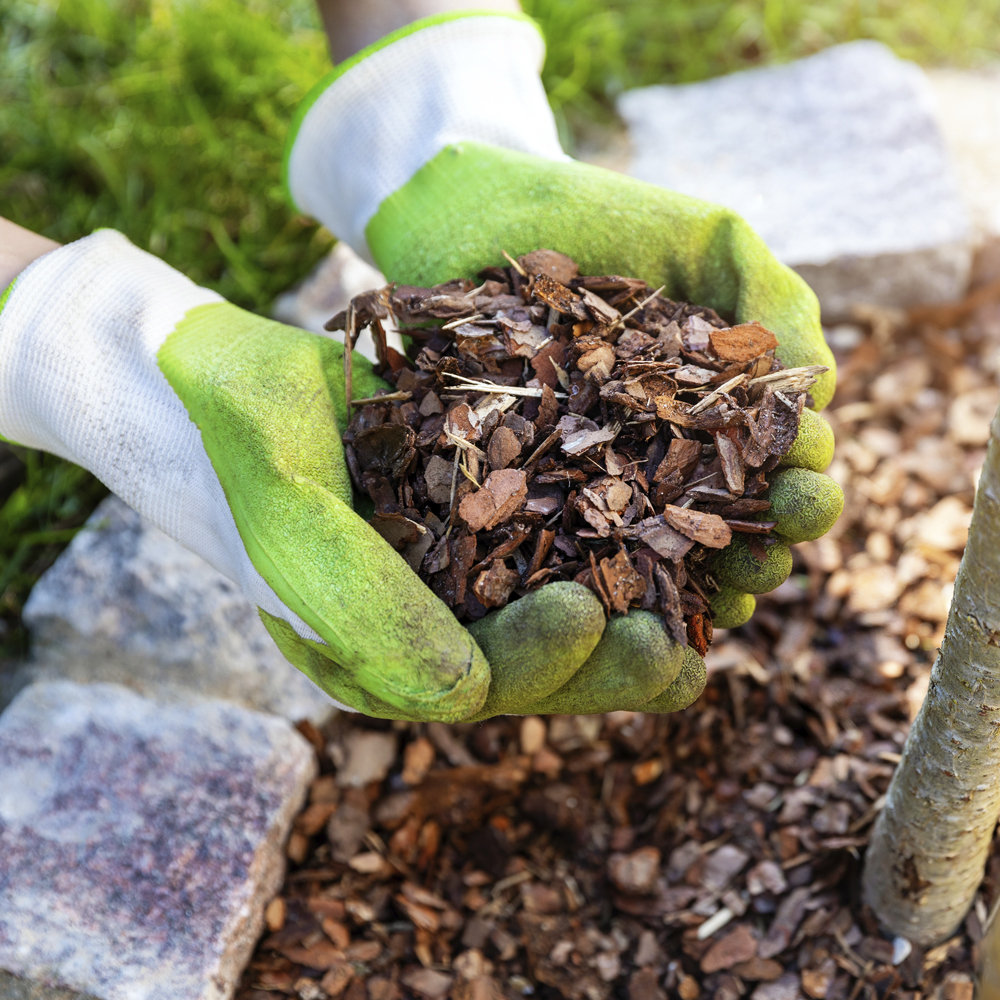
{"points": [[536, 644], [268, 401], [737, 567], [634, 661]]}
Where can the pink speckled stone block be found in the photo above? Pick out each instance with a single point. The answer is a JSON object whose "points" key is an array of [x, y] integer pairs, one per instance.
{"points": [[139, 842]]}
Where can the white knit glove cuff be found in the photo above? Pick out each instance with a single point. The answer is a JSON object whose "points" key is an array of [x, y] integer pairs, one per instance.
{"points": [[79, 335], [472, 78]]}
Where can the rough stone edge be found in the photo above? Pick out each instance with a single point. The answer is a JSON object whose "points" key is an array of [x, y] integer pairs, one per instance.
{"points": [[247, 923], [15, 988], [269, 866], [889, 279]]}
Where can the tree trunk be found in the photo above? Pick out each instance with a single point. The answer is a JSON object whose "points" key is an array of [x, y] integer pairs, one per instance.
{"points": [[928, 849], [988, 978]]}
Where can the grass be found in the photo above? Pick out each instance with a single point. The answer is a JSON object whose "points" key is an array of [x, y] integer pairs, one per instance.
{"points": [[165, 119]]}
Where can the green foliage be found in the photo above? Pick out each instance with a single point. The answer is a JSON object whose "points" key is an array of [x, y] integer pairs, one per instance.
{"points": [[37, 520], [165, 121]]}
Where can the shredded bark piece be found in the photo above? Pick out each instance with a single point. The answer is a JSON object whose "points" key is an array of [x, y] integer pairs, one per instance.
{"points": [[503, 493]]}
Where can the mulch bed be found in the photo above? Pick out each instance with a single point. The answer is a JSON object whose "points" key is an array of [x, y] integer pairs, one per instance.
{"points": [[711, 853]]}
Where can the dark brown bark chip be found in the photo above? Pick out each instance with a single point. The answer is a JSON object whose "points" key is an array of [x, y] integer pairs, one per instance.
{"points": [[544, 368], [557, 296], [682, 457], [553, 426], [397, 529], [785, 923]]}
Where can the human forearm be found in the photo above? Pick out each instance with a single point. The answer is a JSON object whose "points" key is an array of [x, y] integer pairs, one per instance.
{"points": [[18, 248], [351, 25]]}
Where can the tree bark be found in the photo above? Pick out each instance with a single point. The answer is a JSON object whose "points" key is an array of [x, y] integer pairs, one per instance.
{"points": [[988, 978], [928, 849]]}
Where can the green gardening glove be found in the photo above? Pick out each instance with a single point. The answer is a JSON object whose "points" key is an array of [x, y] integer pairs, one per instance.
{"points": [[223, 429], [433, 152]]}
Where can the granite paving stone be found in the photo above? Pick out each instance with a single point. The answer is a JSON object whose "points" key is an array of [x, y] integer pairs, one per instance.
{"points": [[836, 160], [127, 604], [139, 841]]}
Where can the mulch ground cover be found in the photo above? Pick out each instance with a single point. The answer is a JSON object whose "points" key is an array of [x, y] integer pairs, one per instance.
{"points": [[711, 853]]}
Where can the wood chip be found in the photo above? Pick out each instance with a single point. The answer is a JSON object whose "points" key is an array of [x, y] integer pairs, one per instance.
{"points": [[503, 493], [742, 343], [708, 529]]}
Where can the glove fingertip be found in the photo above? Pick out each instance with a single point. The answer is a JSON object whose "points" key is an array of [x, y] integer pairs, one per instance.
{"points": [[805, 504], [731, 607], [736, 566], [685, 690], [535, 645], [813, 446]]}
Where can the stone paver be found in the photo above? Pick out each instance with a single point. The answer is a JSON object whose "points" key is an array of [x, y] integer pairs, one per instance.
{"points": [[836, 160], [139, 842], [967, 110], [127, 604]]}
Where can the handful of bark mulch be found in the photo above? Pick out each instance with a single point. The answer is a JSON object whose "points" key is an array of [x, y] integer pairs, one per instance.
{"points": [[551, 426]]}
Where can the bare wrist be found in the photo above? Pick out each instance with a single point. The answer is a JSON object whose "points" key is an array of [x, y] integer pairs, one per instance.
{"points": [[18, 248], [352, 25]]}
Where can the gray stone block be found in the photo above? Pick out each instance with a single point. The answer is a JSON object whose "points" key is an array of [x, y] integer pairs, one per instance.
{"points": [[967, 109], [15, 988], [139, 842], [836, 160], [125, 603]]}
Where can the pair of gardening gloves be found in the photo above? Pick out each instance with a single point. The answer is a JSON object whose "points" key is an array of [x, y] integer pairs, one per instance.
{"points": [[428, 153]]}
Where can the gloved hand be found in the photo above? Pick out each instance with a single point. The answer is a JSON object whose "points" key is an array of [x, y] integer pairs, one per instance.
{"points": [[222, 428], [434, 150]]}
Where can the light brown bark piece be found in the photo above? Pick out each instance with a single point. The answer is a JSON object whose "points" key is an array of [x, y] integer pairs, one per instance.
{"points": [[733, 468], [739, 945], [742, 343], [622, 583], [503, 448], [664, 540], [709, 529], [494, 586], [556, 265], [503, 493]]}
